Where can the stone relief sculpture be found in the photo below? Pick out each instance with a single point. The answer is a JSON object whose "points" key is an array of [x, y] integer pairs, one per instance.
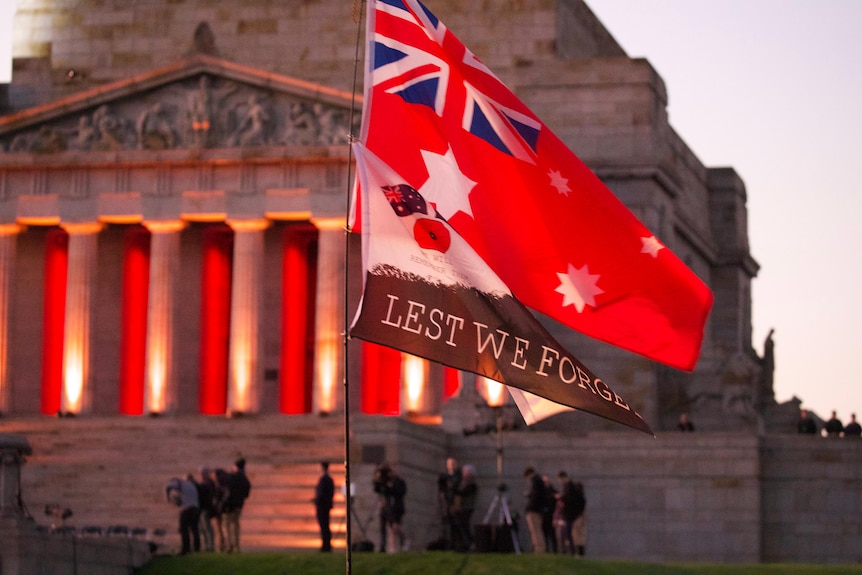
{"points": [[85, 135], [196, 113], [204, 103], [153, 129], [109, 130], [301, 125], [254, 124]]}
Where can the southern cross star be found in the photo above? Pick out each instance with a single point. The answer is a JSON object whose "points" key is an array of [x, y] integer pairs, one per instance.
{"points": [[651, 246], [559, 182], [578, 287]]}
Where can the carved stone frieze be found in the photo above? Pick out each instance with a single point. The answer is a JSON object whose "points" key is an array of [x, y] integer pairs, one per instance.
{"points": [[202, 111]]}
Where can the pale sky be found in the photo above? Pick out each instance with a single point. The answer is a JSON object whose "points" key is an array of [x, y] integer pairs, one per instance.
{"points": [[773, 89]]}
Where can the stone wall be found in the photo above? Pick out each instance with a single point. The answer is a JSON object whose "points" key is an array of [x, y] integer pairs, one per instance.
{"points": [[812, 499], [711, 497], [705, 497], [26, 551], [674, 497]]}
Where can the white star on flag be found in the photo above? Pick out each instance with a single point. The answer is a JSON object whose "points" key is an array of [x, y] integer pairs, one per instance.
{"points": [[447, 187], [578, 287], [559, 182], [651, 246]]}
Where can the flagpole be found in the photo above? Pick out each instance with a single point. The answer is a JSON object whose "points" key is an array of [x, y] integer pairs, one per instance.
{"points": [[348, 554]]}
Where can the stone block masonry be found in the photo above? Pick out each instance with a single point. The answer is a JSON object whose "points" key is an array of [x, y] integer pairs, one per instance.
{"points": [[702, 497]]}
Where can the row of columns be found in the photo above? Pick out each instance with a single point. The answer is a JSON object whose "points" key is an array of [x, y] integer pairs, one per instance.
{"points": [[408, 390], [245, 309]]}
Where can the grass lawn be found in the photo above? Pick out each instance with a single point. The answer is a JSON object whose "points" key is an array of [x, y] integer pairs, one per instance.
{"points": [[450, 563]]}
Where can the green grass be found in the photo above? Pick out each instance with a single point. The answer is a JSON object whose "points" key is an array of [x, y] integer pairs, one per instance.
{"points": [[450, 563]]}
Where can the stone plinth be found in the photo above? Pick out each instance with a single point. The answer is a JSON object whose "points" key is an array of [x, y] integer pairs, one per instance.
{"points": [[26, 549]]}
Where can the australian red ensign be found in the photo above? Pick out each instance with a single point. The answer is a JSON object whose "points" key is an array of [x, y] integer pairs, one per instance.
{"points": [[428, 293], [490, 179]]}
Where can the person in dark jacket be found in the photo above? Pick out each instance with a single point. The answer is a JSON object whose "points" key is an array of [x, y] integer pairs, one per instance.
{"points": [[573, 503], [220, 477], [238, 490], [463, 506], [533, 509], [806, 424], [834, 427], [206, 500], [853, 429], [447, 483], [324, 493], [392, 489]]}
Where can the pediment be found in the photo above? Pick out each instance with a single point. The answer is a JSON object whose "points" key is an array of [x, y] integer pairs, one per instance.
{"points": [[201, 102]]}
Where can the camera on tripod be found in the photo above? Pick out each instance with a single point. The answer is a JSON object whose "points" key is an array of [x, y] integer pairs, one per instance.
{"points": [[59, 515], [57, 512]]}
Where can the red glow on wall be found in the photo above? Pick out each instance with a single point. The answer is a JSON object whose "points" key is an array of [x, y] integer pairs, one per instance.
{"points": [[381, 380], [298, 282], [451, 382], [215, 318], [54, 319], [133, 320]]}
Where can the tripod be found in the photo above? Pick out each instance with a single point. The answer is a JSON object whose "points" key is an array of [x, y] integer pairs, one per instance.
{"points": [[365, 543], [503, 516], [500, 500]]}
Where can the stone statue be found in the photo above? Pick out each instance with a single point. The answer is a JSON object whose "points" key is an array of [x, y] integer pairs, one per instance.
{"points": [[203, 41], [766, 380]]}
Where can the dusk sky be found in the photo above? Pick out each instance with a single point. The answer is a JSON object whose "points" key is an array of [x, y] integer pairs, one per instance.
{"points": [[771, 88]]}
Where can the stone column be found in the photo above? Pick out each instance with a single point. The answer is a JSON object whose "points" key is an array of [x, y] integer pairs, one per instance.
{"points": [[13, 448], [164, 259], [246, 286], [76, 334], [329, 317], [414, 380], [8, 235]]}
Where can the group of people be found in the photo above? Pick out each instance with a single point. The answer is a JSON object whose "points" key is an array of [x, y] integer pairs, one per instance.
{"points": [[556, 518], [390, 489], [457, 492], [210, 507], [834, 427]]}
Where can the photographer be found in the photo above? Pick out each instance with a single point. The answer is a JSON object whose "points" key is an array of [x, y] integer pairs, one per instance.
{"points": [[184, 494], [447, 484], [391, 488]]}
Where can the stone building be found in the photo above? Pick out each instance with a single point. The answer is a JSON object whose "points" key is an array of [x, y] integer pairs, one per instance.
{"points": [[173, 184], [173, 181]]}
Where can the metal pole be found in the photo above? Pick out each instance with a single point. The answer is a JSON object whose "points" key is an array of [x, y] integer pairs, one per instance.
{"points": [[348, 532]]}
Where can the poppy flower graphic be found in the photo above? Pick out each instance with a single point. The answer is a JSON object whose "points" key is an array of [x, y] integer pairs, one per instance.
{"points": [[431, 234]]}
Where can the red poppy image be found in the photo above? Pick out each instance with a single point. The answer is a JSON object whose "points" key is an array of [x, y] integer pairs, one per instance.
{"points": [[431, 234]]}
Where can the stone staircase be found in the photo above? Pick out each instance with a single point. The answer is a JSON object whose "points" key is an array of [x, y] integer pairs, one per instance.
{"points": [[112, 471]]}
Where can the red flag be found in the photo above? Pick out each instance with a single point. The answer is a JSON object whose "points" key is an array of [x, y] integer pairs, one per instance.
{"points": [[548, 227], [427, 292]]}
